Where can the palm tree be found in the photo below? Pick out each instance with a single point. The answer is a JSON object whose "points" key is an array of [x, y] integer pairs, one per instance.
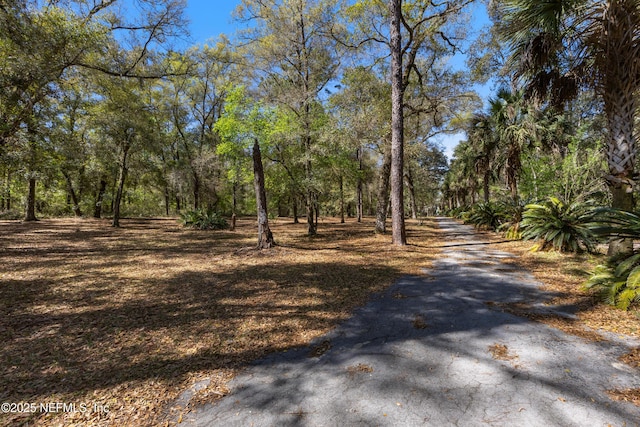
{"points": [[563, 44], [480, 135], [514, 130], [463, 178]]}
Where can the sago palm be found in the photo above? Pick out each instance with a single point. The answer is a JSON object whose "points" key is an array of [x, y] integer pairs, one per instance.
{"points": [[561, 45], [565, 226]]}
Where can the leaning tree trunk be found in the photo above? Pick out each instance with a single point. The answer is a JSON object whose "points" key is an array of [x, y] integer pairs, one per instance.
{"points": [[31, 201], [383, 192], [73, 194], [398, 233], [265, 237]]}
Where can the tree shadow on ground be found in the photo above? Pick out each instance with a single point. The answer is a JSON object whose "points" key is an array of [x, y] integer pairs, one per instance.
{"points": [[382, 367], [112, 313]]}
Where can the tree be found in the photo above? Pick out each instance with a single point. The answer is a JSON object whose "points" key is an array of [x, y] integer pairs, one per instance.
{"points": [[559, 46], [362, 114], [398, 233], [242, 125], [123, 116], [293, 59], [414, 29], [515, 126], [40, 43], [481, 137], [196, 105], [265, 237]]}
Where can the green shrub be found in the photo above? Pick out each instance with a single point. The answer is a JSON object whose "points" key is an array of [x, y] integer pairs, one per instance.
{"points": [[566, 227], [512, 211], [202, 219], [459, 212], [618, 282], [619, 279], [617, 224], [12, 214], [486, 215]]}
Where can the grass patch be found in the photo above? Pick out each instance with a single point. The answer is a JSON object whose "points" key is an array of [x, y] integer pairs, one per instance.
{"points": [[125, 319]]}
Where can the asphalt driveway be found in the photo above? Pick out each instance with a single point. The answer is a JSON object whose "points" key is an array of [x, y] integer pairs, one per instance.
{"points": [[437, 351]]}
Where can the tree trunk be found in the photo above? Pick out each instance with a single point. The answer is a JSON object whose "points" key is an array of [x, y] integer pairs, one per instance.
{"points": [[359, 184], [6, 197], [234, 203], [310, 199], [265, 237], [167, 200], [121, 180], [485, 186], [412, 194], [294, 204], [383, 192], [97, 207], [31, 201], [341, 200], [621, 146], [398, 232], [72, 194], [196, 191]]}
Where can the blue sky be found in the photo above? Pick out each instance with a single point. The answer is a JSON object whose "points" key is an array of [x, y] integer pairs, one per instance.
{"points": [[210, 18]]}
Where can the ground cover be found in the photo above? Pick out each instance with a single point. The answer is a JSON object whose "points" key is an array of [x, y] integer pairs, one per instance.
{"points": [[105, 326]]}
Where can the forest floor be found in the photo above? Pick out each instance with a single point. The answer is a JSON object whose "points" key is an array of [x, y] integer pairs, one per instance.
{"points": [[105, 326]]}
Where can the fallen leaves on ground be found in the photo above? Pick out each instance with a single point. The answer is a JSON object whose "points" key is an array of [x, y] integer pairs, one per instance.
{"points": [[359, 368], [501, 352], [122, 320], [562, 276], [626, 395], [632, 358]]}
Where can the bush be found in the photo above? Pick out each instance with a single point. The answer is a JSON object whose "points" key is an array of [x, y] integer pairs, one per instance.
{"points": [[619, 279], [486, 215], [202, 219], [512, 211], [12, 214], [566, 227], [618, 283]]}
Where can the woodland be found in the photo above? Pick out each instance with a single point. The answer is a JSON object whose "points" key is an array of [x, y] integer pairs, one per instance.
{"points": [[326, 115]]}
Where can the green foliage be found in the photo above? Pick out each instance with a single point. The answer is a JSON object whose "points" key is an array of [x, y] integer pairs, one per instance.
{"points": [[11, 214], [461, 212], [567, 227], [512, 211], [617, 223], [486, 215], [618, 283], [619, 279], [202, 219]]}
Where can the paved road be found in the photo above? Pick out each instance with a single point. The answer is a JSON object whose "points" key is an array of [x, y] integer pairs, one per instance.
{"points": [[419, 355]]}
